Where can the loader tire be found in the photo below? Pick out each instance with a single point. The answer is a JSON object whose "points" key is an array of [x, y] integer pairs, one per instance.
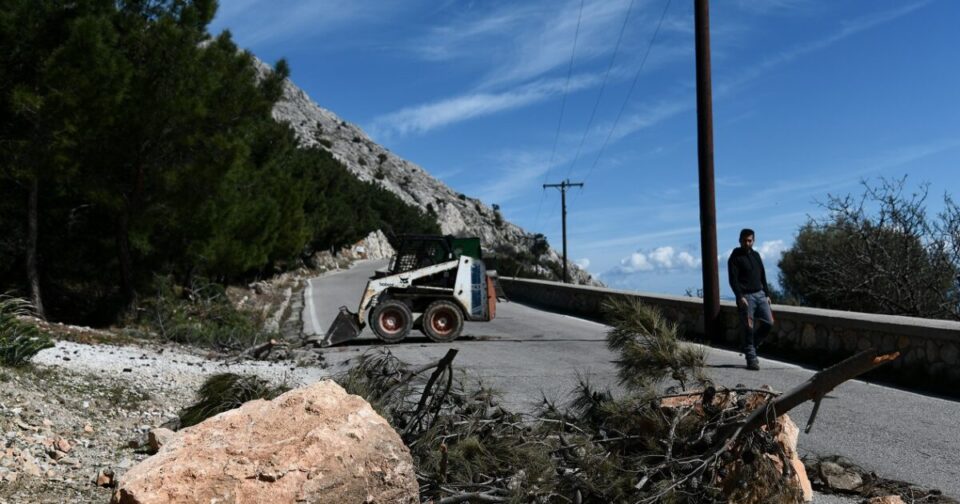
{"points": [[391, 320], [442, 321]]}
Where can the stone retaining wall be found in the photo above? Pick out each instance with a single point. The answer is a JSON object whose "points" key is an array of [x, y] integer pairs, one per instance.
{"points": [[930, 348]]}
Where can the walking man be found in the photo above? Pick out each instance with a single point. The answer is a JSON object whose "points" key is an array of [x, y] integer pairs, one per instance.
{"points": [[748, 280]]}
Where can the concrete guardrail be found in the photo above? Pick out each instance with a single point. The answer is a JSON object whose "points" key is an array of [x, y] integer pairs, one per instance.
{"points": [[930, 349]]}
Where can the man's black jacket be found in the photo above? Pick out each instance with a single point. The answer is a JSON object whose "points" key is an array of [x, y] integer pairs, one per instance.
{"points": [[746, 272]]}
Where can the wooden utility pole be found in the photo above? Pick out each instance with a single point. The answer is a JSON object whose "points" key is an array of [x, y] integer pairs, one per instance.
{"points": [[563, 198], [708, 211]]}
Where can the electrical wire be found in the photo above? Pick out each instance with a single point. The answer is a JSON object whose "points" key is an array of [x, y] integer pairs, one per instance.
{"points": [[603, 86], [563, 105], [636, 77]]}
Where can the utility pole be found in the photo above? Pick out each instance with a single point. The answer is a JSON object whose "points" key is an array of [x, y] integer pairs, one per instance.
{"points": [[708, 210], [563, 198]]}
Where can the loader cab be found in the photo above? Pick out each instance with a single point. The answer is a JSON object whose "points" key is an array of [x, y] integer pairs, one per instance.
{"points": [[420, 251]]}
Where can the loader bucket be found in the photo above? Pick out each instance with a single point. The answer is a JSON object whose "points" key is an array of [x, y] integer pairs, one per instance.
{"points": [[344, 328]]}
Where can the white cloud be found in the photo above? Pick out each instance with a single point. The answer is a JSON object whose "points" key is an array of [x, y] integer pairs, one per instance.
{"points": [[771, 250], [529, 46], [428, 116], [659, 259], [526, 41], [848, 29], [583, 263], [255, 22]]}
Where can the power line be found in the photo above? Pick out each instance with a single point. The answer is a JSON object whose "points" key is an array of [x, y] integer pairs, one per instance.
{"points": [[563, 106], [636, 77], [603, 86]]}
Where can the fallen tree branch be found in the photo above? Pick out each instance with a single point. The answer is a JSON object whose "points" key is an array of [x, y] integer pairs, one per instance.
{"points": [[813, 389], [443, 365], [414, 372]]}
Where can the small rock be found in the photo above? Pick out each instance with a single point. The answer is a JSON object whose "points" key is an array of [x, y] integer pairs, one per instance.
{"points": [[71, 461], [62, 445], [25, 426], [839, 478], [31, 468], [105, 478], [88, 429], [159, 437]]}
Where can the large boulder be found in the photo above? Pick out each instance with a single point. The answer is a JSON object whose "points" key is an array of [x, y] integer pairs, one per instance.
{"points": [[313, 444]]}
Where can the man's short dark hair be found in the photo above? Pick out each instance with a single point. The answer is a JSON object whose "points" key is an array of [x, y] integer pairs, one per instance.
{"points": [[745, 232]]}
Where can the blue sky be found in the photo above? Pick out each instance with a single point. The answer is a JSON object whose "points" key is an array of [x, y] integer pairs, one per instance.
{"points": [[810, 97]]}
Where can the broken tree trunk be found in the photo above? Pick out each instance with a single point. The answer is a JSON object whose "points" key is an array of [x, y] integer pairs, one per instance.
{"points": [[812, 390]]}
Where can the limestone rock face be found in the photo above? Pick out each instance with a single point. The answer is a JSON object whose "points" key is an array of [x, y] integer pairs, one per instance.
{"points": [[457, 214], [313, 444], [375, 246]]}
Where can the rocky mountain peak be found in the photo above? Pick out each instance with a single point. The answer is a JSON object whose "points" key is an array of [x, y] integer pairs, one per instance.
{"points": [[456, 213]]}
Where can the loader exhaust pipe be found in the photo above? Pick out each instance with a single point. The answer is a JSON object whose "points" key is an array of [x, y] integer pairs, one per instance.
{"points": [[344, 328]]}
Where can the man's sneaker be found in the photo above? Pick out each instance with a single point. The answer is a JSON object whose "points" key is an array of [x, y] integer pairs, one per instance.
{"points": [[753, 365]]}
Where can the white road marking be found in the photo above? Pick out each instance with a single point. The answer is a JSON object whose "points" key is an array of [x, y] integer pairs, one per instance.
{"points": [[311, 309]]}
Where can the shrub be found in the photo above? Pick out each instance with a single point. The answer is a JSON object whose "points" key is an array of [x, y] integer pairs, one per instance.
{"points": [[356, 139], [381, 158], [540, 245], [379, 175], [362, 161], [461, 196], [325, 142], [19, 341], [200, 315], [226, 391], [878, 252]]}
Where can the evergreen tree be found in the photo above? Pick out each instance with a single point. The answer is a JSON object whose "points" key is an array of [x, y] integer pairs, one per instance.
{"points": [[134, 144]]}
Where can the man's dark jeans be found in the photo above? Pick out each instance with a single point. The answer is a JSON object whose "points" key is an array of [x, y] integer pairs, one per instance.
{"points": [[757, 320]]}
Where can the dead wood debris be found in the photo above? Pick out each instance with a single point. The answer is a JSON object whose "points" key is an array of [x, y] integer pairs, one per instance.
{"points": [[709, 444], [699, 446]]}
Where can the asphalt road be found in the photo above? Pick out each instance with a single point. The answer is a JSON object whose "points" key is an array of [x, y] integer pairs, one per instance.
{"points": [[527, 353]]}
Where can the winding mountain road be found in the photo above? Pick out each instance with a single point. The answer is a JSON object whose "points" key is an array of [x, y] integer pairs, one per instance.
{"points": [[528, 354]]}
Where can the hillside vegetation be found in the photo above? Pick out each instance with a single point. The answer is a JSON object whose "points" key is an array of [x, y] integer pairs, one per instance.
{"points": [[134, 145]]}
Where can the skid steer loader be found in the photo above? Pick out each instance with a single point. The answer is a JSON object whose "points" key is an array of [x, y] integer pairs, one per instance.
{"points": [[441, 277]]}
